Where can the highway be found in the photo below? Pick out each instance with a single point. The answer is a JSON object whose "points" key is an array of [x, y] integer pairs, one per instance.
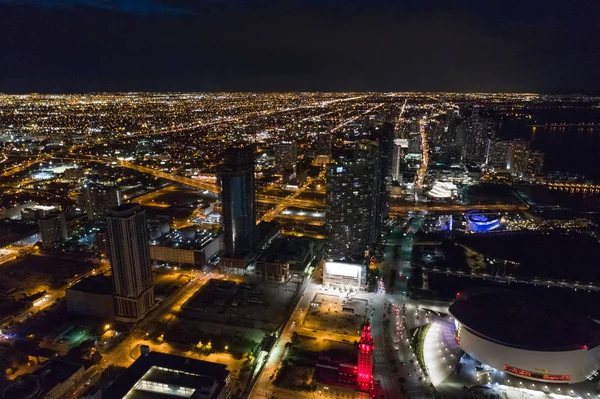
{"points": [[290, 200], [402, 210], [422, 171], [400, 118], [293, 201], [510, 279], [26, 165]]}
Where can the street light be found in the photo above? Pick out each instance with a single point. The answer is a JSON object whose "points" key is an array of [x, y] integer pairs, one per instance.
{"points": [[106, 326]]}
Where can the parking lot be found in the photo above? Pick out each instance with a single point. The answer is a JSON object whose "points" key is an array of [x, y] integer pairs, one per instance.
{"points": [[335, 314]]}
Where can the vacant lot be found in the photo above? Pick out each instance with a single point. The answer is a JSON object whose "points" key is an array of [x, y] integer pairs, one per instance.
{"points": [[34, 273], [334, 314]]}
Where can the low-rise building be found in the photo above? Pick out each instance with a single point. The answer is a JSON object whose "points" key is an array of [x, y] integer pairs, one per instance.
{"points": [[337, 378], [284, 258], [93, 297], [51, 381], [10, 211], [345, 276], [267, 232], [197, 251], [156, 374]]}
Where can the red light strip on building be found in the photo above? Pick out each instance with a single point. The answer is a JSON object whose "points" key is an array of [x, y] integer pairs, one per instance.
{"points": [[533, 374]]}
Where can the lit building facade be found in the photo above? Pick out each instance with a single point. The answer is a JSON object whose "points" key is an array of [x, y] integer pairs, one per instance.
{"points": [[238, 202], [349, 378], [518, 161], [500, 152], [345, 276], [129, 254], [364, 377], [481, 222]]}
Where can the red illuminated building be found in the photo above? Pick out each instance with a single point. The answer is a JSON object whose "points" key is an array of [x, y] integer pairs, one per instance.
{"points": [[347, 376], [365, 360]]}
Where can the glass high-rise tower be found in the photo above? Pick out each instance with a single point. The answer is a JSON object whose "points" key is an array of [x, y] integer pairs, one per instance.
{"points": [[238, 202]]}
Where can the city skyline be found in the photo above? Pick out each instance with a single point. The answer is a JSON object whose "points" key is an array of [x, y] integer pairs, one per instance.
{"points": [[299, 245]]}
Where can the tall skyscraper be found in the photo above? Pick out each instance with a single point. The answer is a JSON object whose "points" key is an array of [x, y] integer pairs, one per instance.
{"points": [[454, 147], [352, 188], [286, 156], [129, 255], [479, 132], [238, 202], [53, 230], [384, 135], [99, 199]]}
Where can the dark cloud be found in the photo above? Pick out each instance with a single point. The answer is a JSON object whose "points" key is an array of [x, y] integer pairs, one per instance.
{"points": [[265, 45]]}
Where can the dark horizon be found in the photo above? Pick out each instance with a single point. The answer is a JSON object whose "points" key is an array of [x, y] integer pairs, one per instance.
{"points": [[83, 46]]}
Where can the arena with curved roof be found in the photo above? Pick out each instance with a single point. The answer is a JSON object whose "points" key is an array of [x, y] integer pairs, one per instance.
{"points": [[525, 338]]}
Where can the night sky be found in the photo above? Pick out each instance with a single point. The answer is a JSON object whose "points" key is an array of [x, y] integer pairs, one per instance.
{"points": [[67, 46]]}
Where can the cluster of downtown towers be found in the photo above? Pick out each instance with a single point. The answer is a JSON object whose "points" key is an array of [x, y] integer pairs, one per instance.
{"points": [[358, 179], [358, 191]]}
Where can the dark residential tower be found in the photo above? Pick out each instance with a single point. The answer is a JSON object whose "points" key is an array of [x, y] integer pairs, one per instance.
{"points": [[351, 216], [479, 133], [238, 201], [129, 255], [286, 156], [99, 199], [323, 144], [53, 230]]}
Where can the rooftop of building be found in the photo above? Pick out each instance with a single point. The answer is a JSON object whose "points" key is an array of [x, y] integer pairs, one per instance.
{"points": [[523, 322], [126, 210], [286, 249], [43, 381], [197, 376], [185, 239], [101, 285], [266, 228]]}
